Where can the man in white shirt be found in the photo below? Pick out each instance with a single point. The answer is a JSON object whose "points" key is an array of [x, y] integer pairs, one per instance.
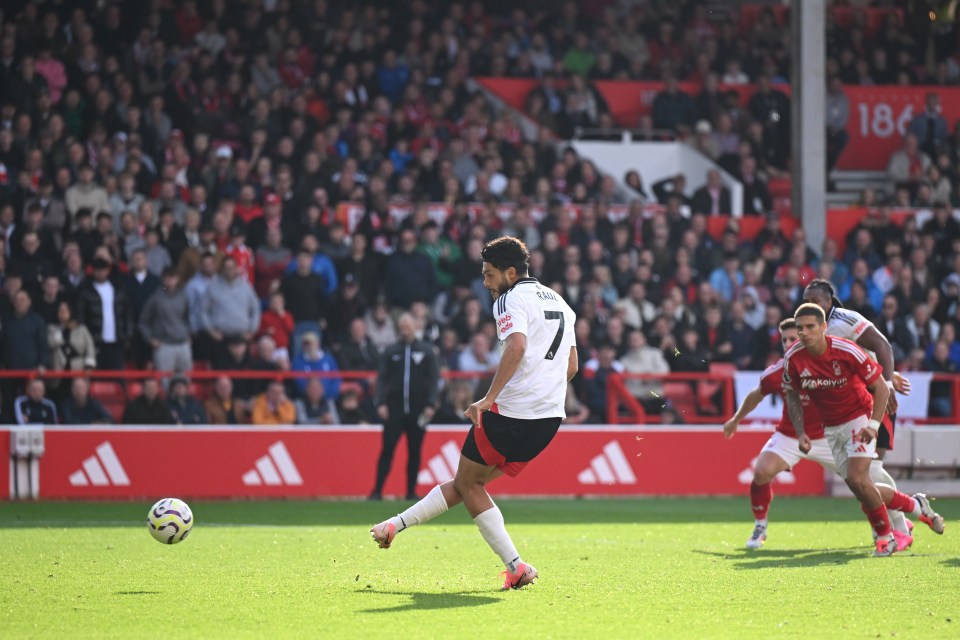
{"points": [[104, 309], [522, 410]]}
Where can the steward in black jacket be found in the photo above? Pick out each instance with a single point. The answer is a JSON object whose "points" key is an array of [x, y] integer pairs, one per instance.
{"points": [[407, 395]]}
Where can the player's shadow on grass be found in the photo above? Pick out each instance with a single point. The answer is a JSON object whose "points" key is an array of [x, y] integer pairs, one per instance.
{"points": [[780, 558], [422, 600], [136, 593]]}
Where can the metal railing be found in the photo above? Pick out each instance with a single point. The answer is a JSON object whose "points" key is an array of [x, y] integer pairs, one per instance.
{"points": [[696, 398]]}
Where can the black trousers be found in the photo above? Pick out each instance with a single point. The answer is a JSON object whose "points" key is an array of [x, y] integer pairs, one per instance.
{"points": [[110, 357], [395, 426]]}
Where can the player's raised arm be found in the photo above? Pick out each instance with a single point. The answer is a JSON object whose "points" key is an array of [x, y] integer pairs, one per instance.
{"points": [[873, 340], [513, 349], [750, 402], [573, 364]]}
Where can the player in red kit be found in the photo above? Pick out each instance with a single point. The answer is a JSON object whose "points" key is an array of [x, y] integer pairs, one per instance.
{"points": [[782, 452], [836, 375]]}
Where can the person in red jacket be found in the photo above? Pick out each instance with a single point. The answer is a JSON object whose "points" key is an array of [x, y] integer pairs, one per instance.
{"points": [[239, 251], [276, 321]]}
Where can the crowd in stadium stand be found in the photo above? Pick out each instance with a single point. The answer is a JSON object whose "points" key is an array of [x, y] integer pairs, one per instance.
{"points": [[170, 174]]}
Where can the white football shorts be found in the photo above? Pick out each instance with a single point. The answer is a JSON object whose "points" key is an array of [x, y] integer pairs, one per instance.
{"points": [[788, 450], [845, 444]]}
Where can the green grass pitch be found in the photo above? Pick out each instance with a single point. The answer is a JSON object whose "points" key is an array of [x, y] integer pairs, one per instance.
{"points": [[608, 568]]}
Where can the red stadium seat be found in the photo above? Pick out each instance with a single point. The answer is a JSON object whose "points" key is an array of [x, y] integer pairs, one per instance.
{"points": [[134, 388], [104, 389]]}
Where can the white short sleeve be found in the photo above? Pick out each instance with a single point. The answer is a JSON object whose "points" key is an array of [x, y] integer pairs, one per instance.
{"points": [[510, 314]]}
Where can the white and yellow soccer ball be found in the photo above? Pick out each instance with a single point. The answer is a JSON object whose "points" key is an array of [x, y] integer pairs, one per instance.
{"points": [[170, 521]]}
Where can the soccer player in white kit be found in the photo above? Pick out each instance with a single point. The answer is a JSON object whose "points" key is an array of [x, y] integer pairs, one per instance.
{"points": [[521, 412], [846, 323]]}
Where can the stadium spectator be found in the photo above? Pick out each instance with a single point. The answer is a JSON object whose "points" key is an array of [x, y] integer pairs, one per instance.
{"points": [[944, 227], [410, 276], [140, 285], [277, 323], [270, 263], [313, 358], [941, 391], [595, 389], [673, 109], [358, 352], [23, 345], [86, 194], [165, 325], [229, 308], [923, 329], [273, 407], [713, 198], [47, 304], [771, 108], [80, 408], [306, 293], [908, 165], [728, 279], [837, 115], [478, 357], [148, 407], [642, 358], [197, 287], [71, 346], [756, 195], [314, 407], [184, 408], [235, 356], [33, 408], [222, 407], [929, 127]]}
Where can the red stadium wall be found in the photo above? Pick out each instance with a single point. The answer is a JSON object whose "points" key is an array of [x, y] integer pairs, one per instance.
{"points": [[879, 115], [210, 462]]}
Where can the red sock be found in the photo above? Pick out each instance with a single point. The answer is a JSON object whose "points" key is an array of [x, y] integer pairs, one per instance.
{"points": [[879, 519], [902, 502], [761, 495]]}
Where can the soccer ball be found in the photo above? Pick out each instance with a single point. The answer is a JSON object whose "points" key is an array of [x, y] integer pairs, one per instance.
{"points": [[170, 521]]}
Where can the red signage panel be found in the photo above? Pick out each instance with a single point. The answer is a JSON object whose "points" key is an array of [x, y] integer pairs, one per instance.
{"points": [[340, 462]]}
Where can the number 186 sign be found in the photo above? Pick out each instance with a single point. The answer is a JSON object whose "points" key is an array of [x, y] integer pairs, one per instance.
{"points": [[880, 116]]}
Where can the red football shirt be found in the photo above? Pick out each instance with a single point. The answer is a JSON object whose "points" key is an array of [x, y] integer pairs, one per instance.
{"points": [[771, 381], [836, 380]]}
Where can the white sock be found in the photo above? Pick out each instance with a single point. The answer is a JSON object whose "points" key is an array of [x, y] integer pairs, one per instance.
{"points": [[762, 522], [431, 506], [490, 523], [879, 475]]}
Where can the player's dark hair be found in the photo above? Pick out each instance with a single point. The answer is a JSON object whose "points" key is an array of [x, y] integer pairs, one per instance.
{"points": [[811, 309], [506, 252], [826, 287], [788, 324]]}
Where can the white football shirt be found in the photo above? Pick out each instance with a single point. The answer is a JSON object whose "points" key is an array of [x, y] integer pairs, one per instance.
{"points": [[538, 389], [849, 324]]}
